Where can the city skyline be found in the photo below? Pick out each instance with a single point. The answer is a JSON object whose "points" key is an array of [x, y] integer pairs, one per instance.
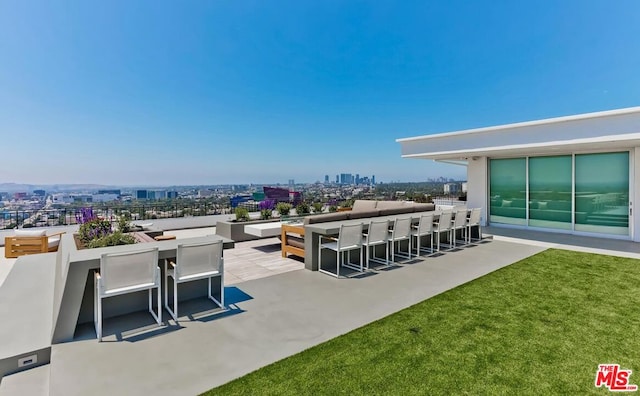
{"points": [[25, 187], [154, 94]]}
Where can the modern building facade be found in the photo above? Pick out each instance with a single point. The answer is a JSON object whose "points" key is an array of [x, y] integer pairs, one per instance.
{"points": [[577, 174]]}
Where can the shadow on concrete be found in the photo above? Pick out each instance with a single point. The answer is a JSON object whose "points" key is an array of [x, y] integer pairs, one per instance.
{"points": [[131, 327], [140, 325], [268, 248]]}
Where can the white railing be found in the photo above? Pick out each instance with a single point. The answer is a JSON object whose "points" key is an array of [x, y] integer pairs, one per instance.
{"points": [[449, 202]]}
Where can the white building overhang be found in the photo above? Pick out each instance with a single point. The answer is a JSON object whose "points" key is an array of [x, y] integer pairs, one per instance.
{"points": [[607, 130]]}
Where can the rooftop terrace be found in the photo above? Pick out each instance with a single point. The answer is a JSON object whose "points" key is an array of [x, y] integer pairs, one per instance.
{"points": [[275, 310]]}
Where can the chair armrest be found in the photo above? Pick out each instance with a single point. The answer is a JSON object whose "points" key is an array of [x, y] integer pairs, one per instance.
{"points": [[56, 234], [296, 229], [321, 237]]}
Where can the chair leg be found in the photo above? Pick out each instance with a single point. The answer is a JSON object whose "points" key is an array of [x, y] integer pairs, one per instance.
{"points": [[99, 330], [158, 316], [337, 275], [175, 297], [166, 287], [221, 302], [222, 287], [367, 255], [97, 312], [393, 251], [172, 312], [159, 305]]}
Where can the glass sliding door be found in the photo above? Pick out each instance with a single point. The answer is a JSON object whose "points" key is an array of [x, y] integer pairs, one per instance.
{"points": [[508, 191], [602, 193], [550, 202]]}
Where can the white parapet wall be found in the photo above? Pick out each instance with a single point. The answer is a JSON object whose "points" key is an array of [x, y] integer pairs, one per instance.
{"points": [[477, 189]]}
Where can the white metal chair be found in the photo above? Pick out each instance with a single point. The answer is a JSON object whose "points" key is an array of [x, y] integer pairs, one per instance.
{"points": [[349, 239], [423, 229], [474, 221], [377, 234], [442, 226], [401, 232], [122, 273], [459, 223], [194, 261]]}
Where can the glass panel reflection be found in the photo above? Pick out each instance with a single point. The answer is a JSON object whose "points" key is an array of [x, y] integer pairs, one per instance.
{"points": [[550, 192], [602, 193], [507, 188]]}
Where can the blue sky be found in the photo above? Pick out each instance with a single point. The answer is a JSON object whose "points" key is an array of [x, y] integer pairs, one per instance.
{"points": [[208, 92]]}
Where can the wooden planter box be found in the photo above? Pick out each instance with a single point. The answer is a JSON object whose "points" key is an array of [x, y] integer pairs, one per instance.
{"points": [[235, 229]]}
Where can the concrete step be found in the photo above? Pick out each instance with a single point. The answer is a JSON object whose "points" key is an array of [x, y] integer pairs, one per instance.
{"points": [[34, 382]]}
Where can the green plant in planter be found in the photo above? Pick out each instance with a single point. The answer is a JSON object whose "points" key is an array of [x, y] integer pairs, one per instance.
{"points": [[317, 207], [303, 208], [346, 204], [94, 229], [242, 214], [265, 214], [123, 224], [333, 208], [266, 208], [283, 208], [114, 239]]}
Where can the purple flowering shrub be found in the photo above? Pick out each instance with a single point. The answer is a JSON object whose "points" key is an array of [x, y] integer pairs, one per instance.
{"points": [[95, 232], [266, 208], [267, 204], [85, 215]]}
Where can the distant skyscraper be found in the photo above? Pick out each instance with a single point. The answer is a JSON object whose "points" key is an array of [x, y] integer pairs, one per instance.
{"points": [[291, 183], [326, 179], [172, 194], [142, 194], [114, 191], [373, 179], [160, 194], [357, 178], [346, 178], [450, 188], [39, 193], [337, 179]]}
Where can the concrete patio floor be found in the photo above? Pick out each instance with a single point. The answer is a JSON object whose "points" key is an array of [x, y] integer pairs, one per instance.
{"points": [[269, 319]]}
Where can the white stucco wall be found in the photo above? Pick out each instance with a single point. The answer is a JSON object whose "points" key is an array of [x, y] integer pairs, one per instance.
{"points": [[477, 190], [634, 197]]}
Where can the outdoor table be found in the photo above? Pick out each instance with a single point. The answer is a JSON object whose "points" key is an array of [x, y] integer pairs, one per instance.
{"points": [[313, 231], [263, 230], [74, 278]]}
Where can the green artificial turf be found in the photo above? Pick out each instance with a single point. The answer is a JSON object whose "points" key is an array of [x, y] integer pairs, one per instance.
{"points": [[539, 326]]}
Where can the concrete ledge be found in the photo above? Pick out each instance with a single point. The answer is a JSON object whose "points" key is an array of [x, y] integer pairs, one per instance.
{"points": [[26, 312], [235, 230], [33, 382]]}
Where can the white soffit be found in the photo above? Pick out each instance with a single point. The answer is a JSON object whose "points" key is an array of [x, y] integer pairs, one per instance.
{"points": [[614, 129], [548, 148]]}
